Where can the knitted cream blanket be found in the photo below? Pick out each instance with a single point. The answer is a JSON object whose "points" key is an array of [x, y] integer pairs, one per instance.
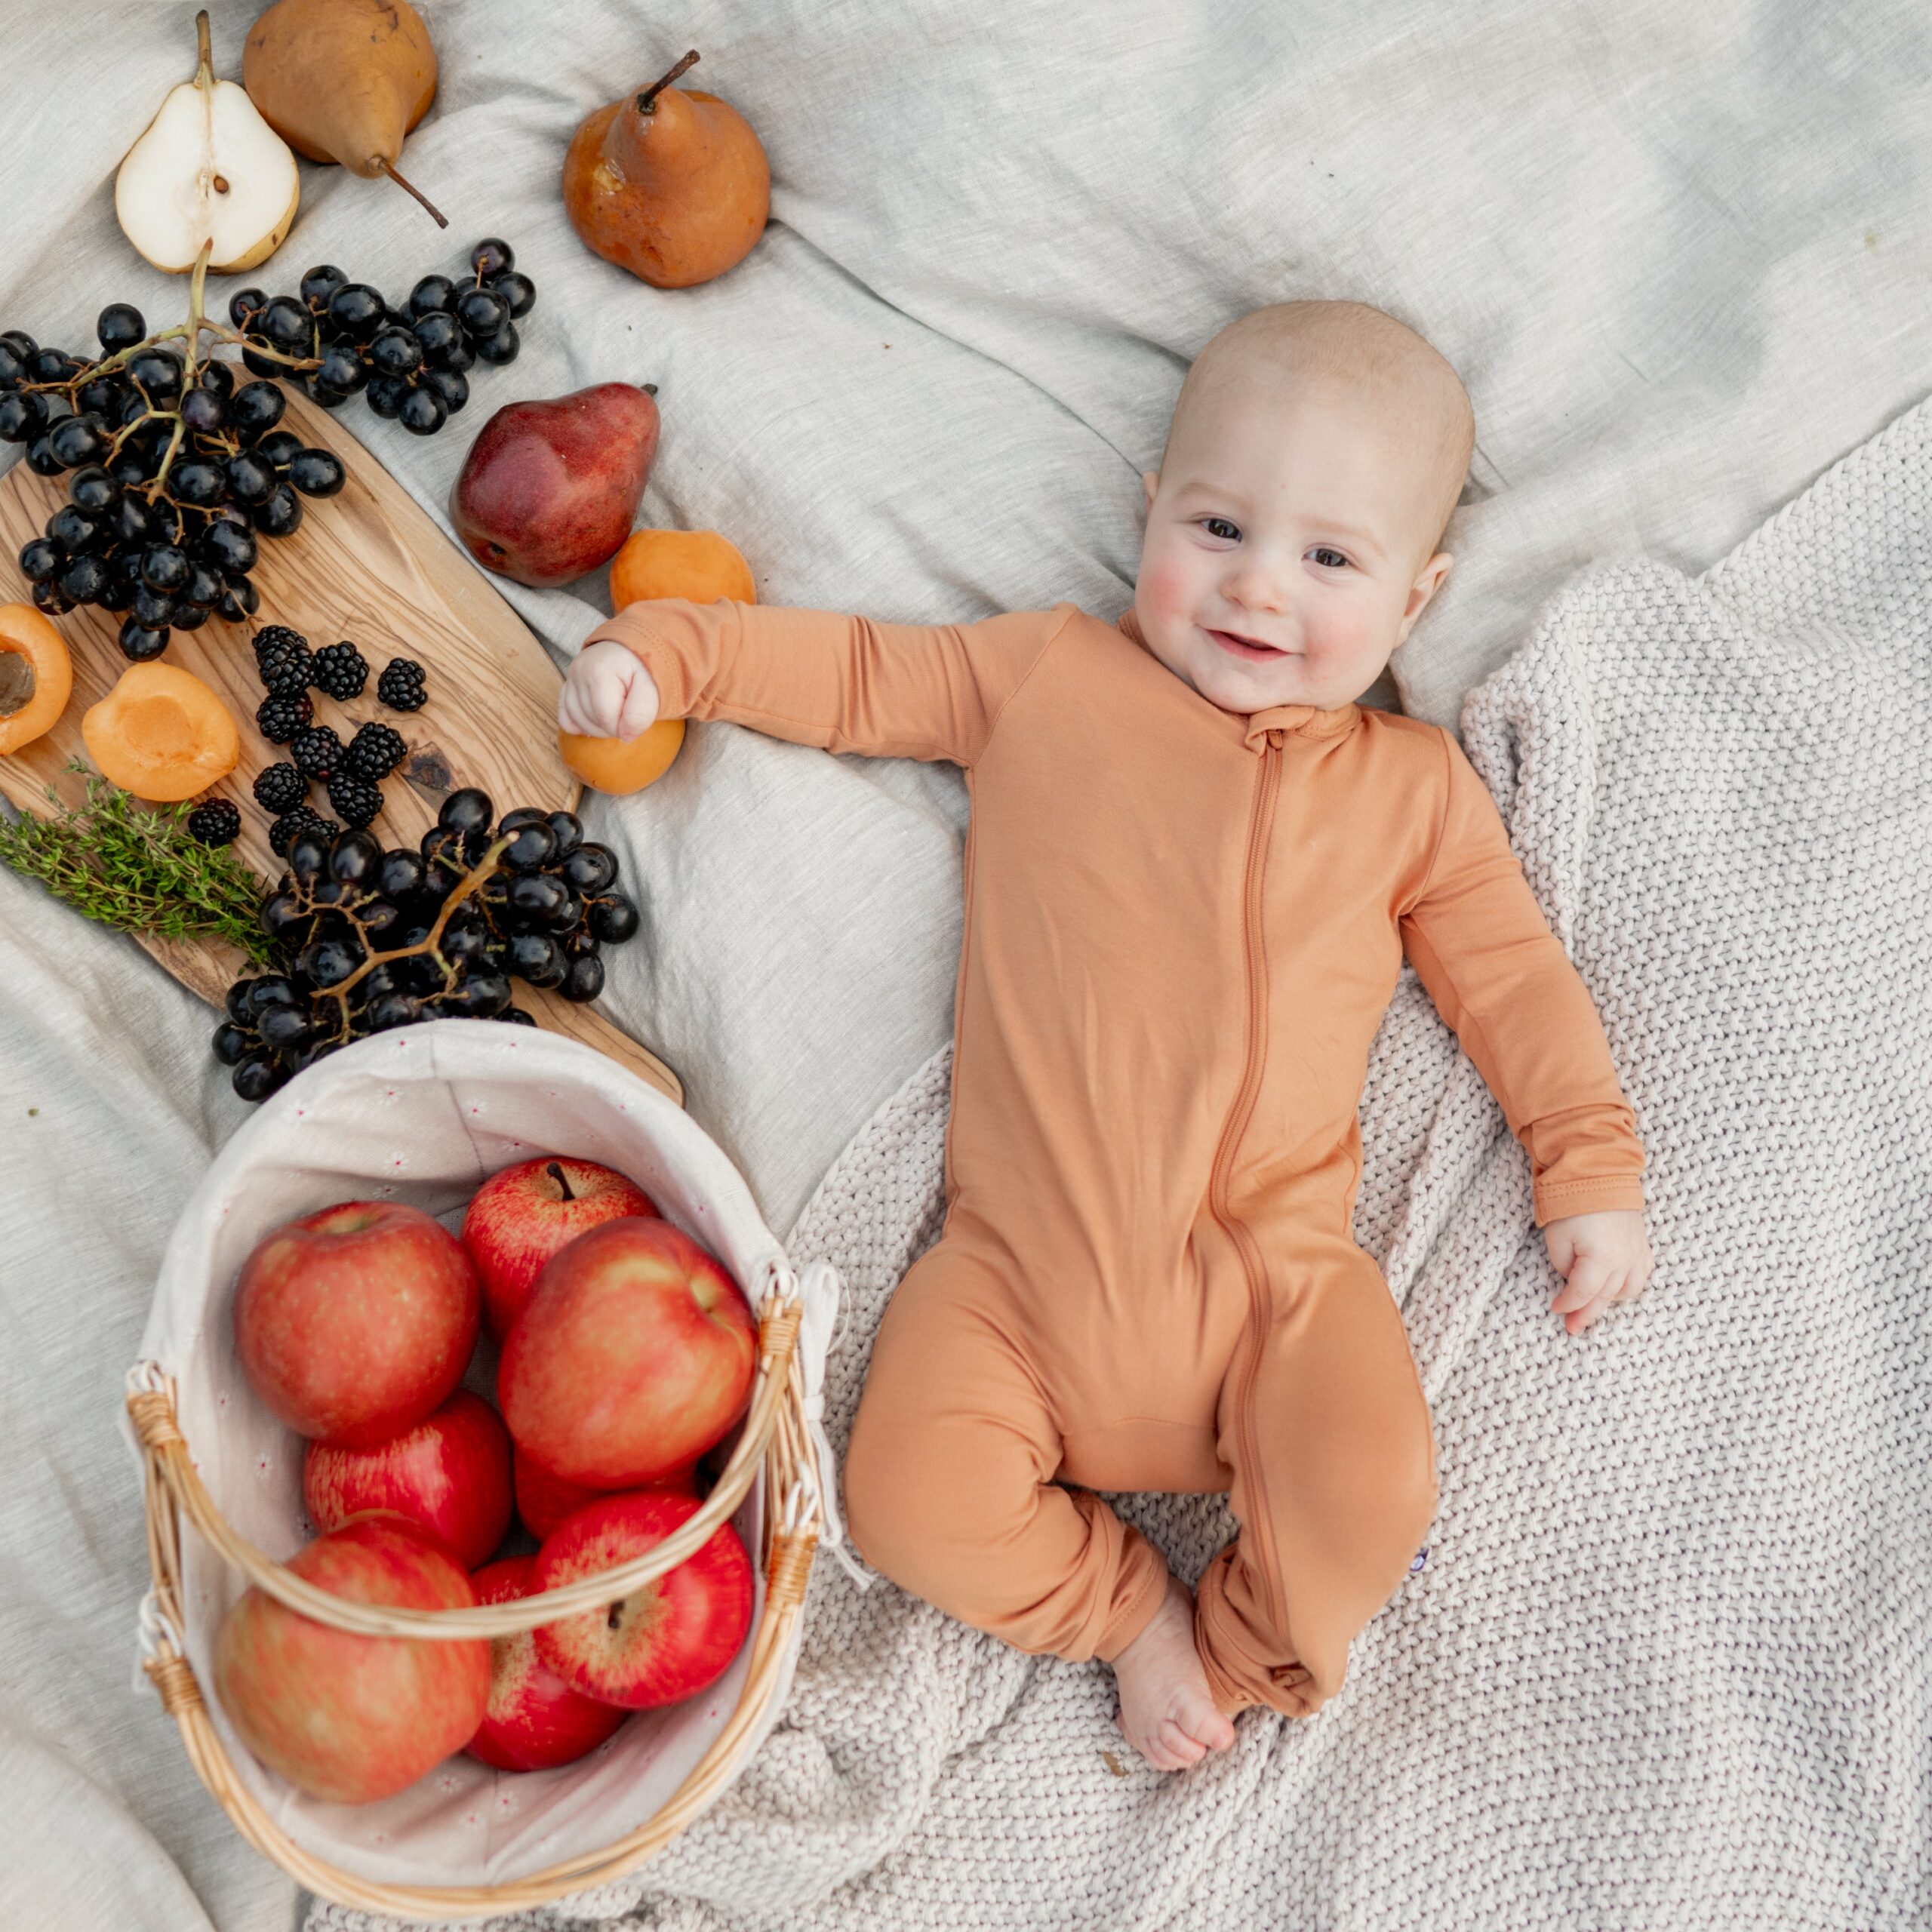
{"points": [[1667, 1662]]}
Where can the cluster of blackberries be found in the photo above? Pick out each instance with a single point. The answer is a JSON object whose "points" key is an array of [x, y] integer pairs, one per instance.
{"points": [[176, 472], [368, 940], [409, 363], [352, 774]]}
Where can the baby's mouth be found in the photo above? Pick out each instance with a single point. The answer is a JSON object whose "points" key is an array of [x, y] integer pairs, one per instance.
{"points": [[1250, 648]]}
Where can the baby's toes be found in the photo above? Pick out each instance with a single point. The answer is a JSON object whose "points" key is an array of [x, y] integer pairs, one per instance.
{"points": [[1175, 1741], [1195, 1713]]}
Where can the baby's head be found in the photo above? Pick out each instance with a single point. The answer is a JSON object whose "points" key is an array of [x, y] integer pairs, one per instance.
{"points": [[1316, 451]]}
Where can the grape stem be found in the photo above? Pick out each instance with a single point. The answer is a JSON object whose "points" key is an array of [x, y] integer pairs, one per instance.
{"points": [[484, 869]]}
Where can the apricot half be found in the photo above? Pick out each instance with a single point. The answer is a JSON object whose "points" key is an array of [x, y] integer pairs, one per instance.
{"points": [[610, 765], [36, 679], [161, 734], [696, 564]]}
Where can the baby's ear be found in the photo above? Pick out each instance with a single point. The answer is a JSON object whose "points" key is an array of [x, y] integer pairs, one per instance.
{"points": [[1150, 481]]}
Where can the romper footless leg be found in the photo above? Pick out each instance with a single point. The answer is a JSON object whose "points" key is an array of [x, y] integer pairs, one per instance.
{"points": [[1334, 1486], [949, 1479]]}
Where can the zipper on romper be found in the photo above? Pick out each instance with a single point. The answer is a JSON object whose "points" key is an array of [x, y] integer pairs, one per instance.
{"points": [[1260, 826]]}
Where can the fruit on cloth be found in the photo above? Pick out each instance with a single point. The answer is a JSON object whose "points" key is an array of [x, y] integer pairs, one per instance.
{"points": [[450, 1475], [535, 1721], [667, 1639], [350, 1718], [634, 1354], [36, 676], [672, 185], [521, 1215], [209, 172], [549, 487], [612, 765], [353, 1323], [161, 734], [343, 80], [543, 1500], [696, 564]]}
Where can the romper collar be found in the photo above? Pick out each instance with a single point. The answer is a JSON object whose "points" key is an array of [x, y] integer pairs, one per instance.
{"points": [[1305, 720]]}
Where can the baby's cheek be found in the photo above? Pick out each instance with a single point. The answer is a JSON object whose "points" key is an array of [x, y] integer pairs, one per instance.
{"points": [[1166, 587]]}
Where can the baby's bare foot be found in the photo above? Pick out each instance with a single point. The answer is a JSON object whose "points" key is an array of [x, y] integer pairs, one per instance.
{"points": [[1166, 1712]]}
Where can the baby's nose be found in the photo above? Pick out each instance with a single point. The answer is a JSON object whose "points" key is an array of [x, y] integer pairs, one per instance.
{"points": [[1256, 587]]}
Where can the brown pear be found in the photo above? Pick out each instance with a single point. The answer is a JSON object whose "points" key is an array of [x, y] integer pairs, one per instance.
{"points": [[672, 185], [343, 80]]}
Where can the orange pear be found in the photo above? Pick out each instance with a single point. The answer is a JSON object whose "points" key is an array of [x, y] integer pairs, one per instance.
{"points": [[343, 80], [672, 185]]}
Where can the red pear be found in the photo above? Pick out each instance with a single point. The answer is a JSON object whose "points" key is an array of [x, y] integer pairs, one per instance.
{"points": [[548, 490]]}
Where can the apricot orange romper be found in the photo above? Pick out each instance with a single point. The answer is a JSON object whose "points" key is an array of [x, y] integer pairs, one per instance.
{"points": [[1183, 926]]}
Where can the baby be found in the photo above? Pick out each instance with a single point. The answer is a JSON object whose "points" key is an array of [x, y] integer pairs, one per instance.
{"points": [[1193, 865]]}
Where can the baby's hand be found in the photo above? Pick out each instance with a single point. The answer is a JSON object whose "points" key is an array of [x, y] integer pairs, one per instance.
{"points": [[608, 693], [1603, 1257]]}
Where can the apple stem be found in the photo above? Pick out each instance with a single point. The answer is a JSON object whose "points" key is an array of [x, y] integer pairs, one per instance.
{"points": [[556, 1174], [615, 1620], [646, 102], [382, 167]]}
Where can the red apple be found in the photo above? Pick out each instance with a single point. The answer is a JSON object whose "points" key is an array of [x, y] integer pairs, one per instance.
{"points": [[520, 1217], [345, 1717], [665, 1641], [451, 1473], [635, 1354], [543, 1500], [535, 1721], [354, 1323]]}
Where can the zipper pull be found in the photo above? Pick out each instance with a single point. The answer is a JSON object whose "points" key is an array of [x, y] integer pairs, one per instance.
{"points": [[1276, 738]]}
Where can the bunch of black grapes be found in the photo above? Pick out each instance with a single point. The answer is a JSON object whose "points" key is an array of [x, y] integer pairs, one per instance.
{"points": [[409, 363], [174, 478], [176, 468], [367, 940]]}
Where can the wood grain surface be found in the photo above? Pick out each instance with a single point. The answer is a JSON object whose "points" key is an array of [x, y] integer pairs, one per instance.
{"points": [[369, 565]]}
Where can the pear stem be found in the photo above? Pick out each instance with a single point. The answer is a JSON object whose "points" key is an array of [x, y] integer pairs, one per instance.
{"points": [[646, 102], [382, 167], [203, 48]]}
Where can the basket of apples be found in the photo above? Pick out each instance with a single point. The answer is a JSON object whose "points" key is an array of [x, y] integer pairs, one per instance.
{"points": [[493, 1406]]}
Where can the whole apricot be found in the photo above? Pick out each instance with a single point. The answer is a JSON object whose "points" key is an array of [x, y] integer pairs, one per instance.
{"points": [[609, 764], [698, 565]]}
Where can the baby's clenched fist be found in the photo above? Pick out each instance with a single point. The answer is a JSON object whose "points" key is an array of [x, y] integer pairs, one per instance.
{"points": [[1603, 1258], [608, 693]]}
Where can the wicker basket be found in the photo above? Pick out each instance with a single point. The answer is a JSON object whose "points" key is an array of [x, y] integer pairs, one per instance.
{"points": [[424, 1115]]}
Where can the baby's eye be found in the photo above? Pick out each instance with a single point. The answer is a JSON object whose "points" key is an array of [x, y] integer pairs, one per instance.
{"points": [[1219, 527], [1322, 551]]}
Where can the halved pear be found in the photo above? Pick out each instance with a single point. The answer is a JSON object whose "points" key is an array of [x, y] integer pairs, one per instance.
{"points": [[208, 169]]}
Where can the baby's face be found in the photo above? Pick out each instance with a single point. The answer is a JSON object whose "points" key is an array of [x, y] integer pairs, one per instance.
{"points": [[1281, 563]]}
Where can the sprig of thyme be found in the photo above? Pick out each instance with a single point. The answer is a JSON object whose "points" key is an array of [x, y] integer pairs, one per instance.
{"points": [[117, 861]]}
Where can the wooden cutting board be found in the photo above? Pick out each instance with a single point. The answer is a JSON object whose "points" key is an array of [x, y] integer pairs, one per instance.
{"points": [[370, 565]]}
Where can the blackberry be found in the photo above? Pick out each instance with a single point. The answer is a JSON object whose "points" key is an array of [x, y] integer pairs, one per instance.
{"points": [[374, 751], [401, 685], [316, 751], [280, 788], [281, 714], [357, 799], [290, 825], [215, 823], [277, 634], [285, 667], [341, 670]]}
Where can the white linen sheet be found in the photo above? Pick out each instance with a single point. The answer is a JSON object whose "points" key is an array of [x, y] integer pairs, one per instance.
{"points": [[1679, 255]]}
